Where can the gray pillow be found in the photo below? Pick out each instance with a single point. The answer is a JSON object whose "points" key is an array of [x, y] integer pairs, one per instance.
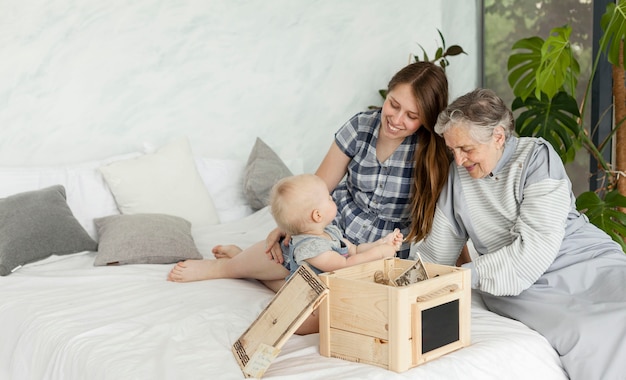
{"points": [[263, 169], [37, 224], [144, 239]]}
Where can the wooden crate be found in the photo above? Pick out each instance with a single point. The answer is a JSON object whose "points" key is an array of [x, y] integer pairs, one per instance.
{"points": [[396, 328]]}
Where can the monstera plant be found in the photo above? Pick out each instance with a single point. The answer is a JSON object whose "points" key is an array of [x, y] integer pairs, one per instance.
{"points": [[543, 75]]}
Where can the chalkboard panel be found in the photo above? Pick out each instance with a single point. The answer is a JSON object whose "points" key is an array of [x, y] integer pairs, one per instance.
{"points": [[440, 325]]}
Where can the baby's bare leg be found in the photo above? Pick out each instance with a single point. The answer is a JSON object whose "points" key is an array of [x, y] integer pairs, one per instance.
{"points": [[252, 262], [226, 251]]}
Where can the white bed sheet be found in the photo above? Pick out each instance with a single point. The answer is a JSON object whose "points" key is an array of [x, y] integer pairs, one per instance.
{"points": [[63, 318]]}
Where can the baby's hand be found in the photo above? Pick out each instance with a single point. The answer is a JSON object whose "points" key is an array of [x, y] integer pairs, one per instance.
{"points": [[394, 238], [398, 239]]}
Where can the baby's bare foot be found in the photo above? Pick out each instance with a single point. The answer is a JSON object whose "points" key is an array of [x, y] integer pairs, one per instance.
{"points": [[225, 251], [192, 270]]}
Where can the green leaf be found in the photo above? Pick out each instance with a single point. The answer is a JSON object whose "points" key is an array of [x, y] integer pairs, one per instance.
{"points": [[454, 50], [554, 120], [424, 52], [605, 214], [556, 57], [438, 53], [523, 65], [443, 41], [613, 24]]}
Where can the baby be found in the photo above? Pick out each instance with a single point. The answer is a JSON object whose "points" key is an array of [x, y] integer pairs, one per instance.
{"points": [[303, 208]]}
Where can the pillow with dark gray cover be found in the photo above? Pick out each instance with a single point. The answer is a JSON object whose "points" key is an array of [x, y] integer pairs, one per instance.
{"points": [[144, 239], [263, 169], [37, 224]]}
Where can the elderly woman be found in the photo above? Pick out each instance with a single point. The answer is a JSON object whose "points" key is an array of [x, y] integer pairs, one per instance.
{"points": [[539, 260]]}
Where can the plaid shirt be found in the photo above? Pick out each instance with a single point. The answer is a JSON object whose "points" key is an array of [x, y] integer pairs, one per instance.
{"points": [[374, 197]]}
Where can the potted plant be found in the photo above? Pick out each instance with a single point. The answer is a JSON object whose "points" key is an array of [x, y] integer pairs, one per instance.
{"points": [[440, 57], [543, 75]]}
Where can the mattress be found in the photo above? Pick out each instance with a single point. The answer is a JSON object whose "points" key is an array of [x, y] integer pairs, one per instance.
{"points": [[64, 318]]}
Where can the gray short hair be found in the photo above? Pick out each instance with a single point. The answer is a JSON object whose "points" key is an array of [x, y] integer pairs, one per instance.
{"points": [[481, 111]]}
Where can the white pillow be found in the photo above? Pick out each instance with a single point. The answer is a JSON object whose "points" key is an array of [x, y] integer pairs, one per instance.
{"points": [[87, 193], [224, 180], [163, 182], [223, 177]]}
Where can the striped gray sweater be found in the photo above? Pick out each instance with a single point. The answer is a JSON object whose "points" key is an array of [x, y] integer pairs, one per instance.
{"points": [[516, 218]]}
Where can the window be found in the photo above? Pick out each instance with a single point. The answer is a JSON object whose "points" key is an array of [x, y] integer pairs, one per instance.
{"points": [[507, 21]]}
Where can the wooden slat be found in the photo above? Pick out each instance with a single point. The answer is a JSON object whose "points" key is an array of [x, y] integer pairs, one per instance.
{"points": [[290, 307], [359, 348]]}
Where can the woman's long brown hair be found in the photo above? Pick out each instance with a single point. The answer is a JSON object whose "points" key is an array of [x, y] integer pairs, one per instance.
{"points": [[432, 160]]}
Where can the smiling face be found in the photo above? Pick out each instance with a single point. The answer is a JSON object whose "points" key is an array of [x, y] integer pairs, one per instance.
{"points": [[479, 159], [400, 116]]}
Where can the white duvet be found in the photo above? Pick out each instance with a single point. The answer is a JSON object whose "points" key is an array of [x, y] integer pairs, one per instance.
{"points": [[63, 318]]}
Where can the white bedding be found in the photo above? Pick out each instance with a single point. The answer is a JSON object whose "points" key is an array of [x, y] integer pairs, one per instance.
{"points": [[63, 318]]}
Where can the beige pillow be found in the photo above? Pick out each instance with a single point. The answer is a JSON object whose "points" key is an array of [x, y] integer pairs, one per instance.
{"points": [[163, 182]]}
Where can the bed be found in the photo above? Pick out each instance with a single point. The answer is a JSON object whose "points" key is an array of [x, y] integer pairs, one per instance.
{"points": [[63, 317]]}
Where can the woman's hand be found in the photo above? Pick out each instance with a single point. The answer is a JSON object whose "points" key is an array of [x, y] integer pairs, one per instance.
{"points": [[464, 257], [272, 245]]}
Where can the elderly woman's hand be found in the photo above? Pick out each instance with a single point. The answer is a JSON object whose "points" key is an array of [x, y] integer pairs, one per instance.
{"points": [[464, 257]]}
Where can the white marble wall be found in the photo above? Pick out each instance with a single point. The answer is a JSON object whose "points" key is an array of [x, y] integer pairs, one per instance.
{"points": [[88, 79]]}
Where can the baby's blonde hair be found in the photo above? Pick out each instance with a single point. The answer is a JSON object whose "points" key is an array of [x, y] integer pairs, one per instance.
{"points": [[291, 199]]}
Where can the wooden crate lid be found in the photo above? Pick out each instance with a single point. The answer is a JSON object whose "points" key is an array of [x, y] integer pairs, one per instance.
{"points": [[291, 306]]}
